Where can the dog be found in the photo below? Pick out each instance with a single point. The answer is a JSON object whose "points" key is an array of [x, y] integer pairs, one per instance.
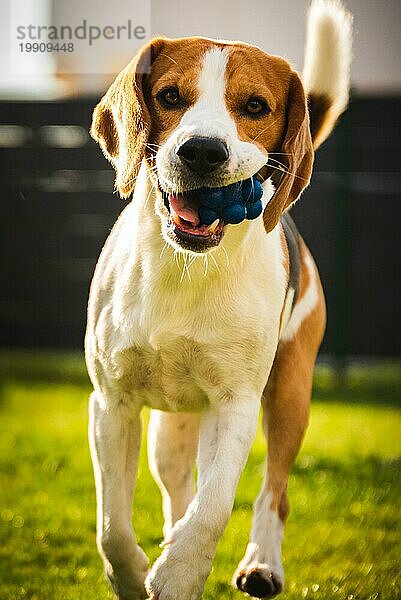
{"points": [[206, 324]]}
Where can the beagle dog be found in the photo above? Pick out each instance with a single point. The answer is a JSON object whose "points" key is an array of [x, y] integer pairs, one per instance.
{"points": [[206, 324]]}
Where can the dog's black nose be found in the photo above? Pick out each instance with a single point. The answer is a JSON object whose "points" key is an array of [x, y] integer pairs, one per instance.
{"points": [[203, 155]]}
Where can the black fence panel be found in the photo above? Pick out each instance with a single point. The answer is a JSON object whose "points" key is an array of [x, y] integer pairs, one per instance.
{"points": [[349, 217], [58, 207]]}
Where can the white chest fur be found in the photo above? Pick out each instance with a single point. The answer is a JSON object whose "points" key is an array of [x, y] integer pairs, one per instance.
{"points": [[178, 331]]}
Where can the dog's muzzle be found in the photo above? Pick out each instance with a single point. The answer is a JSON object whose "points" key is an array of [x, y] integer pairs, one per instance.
{"points": [[197, 217]]}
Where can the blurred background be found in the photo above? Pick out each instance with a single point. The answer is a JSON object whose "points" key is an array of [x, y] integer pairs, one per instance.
{"points": [[56, 187]]}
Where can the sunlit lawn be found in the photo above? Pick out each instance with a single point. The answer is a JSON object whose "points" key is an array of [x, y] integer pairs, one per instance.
{"points": [[343, 535]]}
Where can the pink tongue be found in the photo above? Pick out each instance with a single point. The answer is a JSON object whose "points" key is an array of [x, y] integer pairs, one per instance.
{"points": [[183, 210]]}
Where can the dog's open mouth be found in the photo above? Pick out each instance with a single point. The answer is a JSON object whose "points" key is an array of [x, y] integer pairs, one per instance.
{"points": [[197, 218], [184, 224]]}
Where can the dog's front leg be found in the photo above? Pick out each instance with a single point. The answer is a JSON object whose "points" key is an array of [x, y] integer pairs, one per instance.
{"points": [[226, 435], [115, 437]]}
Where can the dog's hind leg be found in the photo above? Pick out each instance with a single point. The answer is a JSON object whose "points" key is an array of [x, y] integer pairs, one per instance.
{"points": [[115, 437], [172, 448], [285, 417]]}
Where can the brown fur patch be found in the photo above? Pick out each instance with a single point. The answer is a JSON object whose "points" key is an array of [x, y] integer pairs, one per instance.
{"points": [[108, 132], [284, 507], [321, 117], [287, 395], [123, 109], [286, 264], [178, 65], [251, 72], [283, 242]]}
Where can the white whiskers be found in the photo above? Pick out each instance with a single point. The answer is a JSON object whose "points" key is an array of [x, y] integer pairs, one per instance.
{"points": [[281, 167], [265, 129], [205, 264], [163, 250], [215, 262], [150, 193], [227, 257], [133, 180]]}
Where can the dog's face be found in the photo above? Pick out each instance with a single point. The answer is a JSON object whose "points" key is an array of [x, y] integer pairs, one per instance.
{"points": [[205, 114]]}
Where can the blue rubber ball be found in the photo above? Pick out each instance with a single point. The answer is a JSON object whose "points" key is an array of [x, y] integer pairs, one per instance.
{"points": [[235, 213], [232, 194], [258, 190], [207, 215], [211, 197], [247, 190], [254, 210], [252, 190]]}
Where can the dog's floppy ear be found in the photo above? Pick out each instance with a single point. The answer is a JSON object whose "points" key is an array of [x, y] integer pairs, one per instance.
{"points": [[297, 155], [121, 120]]}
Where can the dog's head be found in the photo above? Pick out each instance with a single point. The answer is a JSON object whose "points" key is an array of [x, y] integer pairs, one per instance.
{"points": [[205, 114]]}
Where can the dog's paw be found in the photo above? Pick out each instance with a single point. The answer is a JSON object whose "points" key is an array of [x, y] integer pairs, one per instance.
{"points": [[259, 581], [134, 590], [128, 579], [175, 577]]}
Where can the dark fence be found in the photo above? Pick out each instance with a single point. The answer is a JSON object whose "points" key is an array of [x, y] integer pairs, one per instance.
{"points": [[58, 207]]}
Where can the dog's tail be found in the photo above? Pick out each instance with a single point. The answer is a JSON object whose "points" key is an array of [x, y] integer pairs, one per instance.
{"points": [[327, 62]]}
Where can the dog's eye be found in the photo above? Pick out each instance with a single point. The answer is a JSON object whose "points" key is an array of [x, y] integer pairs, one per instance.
{"points": [[256, 107], [169, 97]]}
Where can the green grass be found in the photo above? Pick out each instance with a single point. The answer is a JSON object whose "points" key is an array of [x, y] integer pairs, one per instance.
{"points": [[343, 534]]}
